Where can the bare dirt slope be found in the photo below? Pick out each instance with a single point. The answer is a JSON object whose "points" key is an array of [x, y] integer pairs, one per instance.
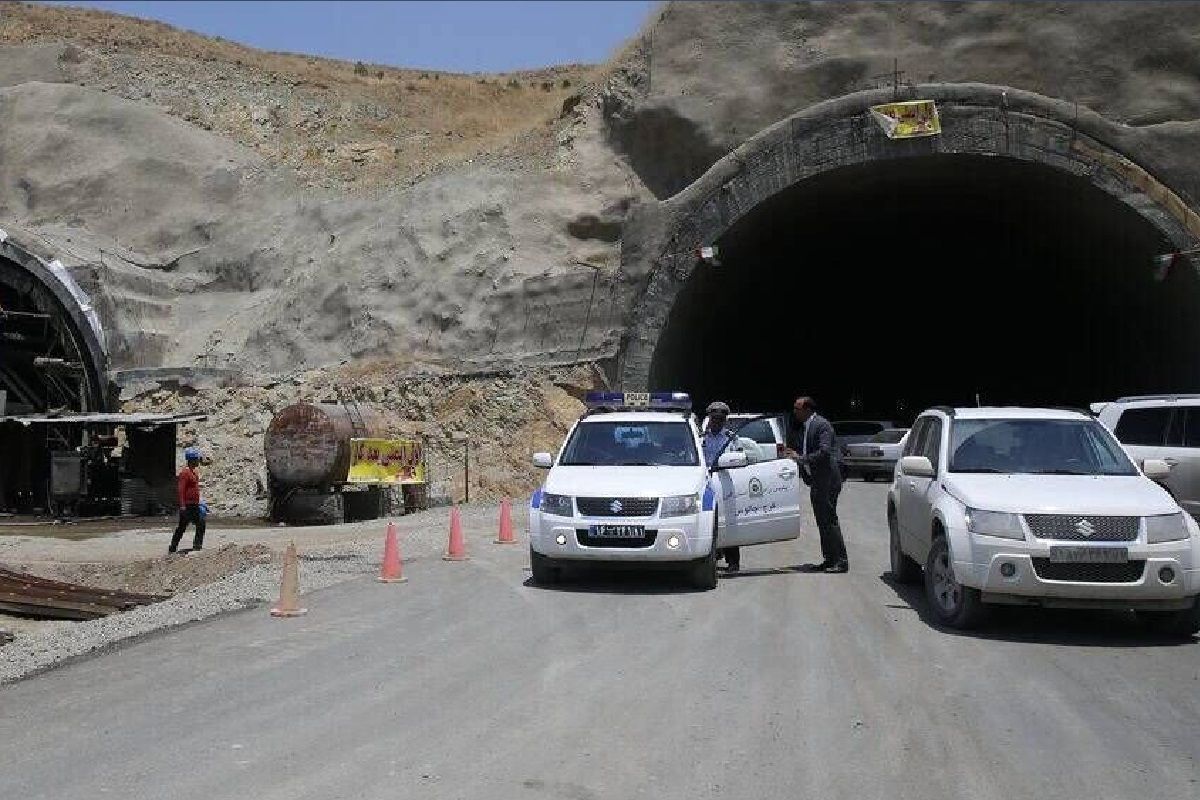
{"points": [[336, 123], [205, 248]]}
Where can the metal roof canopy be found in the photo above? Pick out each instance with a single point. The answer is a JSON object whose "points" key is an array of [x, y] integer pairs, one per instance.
{"points": [[140, 420]]}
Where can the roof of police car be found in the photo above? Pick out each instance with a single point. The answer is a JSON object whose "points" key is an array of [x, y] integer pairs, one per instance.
{"points": [[636, 416], [1016, 412]]}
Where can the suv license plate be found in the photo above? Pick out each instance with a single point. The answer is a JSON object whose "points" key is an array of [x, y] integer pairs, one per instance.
{"points": [[617, 531], [1089, 555]]}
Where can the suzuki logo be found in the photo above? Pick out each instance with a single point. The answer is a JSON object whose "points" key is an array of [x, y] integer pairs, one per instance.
{"points": [[1085, 527], [615, 506]]}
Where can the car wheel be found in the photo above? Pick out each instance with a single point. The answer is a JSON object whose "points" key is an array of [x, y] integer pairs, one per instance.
{"points": [[904, 569], [1185, 622], [544, 571], [954, 605]]}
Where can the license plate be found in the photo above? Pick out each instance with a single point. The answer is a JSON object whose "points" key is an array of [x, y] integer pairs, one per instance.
{"points": [[618, 531], [1089, 555], [877, 454]]}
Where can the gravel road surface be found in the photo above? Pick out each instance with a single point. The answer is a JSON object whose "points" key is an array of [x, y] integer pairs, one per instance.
{"points": [[467, 682]]}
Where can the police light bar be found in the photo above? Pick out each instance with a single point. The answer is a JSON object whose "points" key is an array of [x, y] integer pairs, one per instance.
{"points": [[650, 401]]}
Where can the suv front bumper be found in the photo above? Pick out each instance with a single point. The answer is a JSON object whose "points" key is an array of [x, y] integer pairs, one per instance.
{"points": [[1083, 583], [693, 535]]}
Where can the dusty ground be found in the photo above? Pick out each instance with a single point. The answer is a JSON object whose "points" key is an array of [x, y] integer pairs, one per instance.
{"points": [[237, 568], [469, 682]]}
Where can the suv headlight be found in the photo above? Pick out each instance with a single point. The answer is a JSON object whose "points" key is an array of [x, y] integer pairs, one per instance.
{"points": [[1166, 528], [560, 505], [683, 505], [995, 523]]}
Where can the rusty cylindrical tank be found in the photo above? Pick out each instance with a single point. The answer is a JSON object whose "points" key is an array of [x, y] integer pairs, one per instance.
{"points": [[308, 445]]}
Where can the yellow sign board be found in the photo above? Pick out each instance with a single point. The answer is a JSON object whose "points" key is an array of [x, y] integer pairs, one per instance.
{"points": [[386, 461], [908, 120]]}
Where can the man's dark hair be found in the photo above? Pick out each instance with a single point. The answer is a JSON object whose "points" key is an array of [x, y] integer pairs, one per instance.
{"points": [[807, 402]]}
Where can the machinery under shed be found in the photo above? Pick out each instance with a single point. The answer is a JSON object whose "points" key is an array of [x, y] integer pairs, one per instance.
{"points": [[80, 464]]}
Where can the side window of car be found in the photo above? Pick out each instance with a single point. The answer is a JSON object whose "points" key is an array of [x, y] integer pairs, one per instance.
{"points": [[912, 447], [931, 442], [759, 430], [1191, 426], [1143, 426]]}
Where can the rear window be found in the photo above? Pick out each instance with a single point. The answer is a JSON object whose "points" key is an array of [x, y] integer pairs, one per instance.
{"points": [[759, 430], [858, 428], [1143, 426], [890, 436]]}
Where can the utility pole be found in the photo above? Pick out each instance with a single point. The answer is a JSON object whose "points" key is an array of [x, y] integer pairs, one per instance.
{"points": [[896, 74]]}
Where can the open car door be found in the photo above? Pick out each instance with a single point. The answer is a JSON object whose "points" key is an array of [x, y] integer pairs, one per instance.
{"points": [[757, 503]]}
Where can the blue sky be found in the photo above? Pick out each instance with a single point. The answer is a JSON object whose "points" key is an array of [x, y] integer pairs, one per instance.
{"points": [[454, 36]]}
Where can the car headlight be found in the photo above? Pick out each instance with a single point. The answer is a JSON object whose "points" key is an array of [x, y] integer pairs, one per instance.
{"points": [[558, 504], [995, 523], [1166, 528], [682, 505]]}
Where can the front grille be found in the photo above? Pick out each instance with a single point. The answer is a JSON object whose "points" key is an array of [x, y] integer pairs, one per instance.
{"points": [[585, 539], [617, 506], [1079, 528], [1129, 572]]}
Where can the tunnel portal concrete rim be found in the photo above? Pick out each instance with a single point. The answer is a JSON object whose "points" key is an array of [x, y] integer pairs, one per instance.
{"points": [[90, 349], [661, 239]]}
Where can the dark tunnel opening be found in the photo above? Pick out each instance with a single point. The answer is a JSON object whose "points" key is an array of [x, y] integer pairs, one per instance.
{"points": [[885, 288]]}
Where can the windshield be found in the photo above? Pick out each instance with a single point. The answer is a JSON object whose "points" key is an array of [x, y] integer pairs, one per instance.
{"points": [[624, 444], [1036, 447], [890, 436]]}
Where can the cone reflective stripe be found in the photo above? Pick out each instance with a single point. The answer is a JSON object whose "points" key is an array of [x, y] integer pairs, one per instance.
{"points": [[390, 571], [506, 528], [456, 550], [288, 604]]}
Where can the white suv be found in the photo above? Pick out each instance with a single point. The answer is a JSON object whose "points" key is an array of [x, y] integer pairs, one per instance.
{"points": [[1038, 507], [1165, 427], [630, 485]]}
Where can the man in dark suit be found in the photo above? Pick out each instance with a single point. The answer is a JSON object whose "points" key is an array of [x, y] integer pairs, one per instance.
{"points": [[814, 449]]}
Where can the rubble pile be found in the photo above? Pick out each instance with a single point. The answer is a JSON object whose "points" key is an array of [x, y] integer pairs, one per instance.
{"points": [[503, 418]]}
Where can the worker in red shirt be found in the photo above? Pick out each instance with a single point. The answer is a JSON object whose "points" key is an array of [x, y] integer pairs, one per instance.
{"points": [[190, 509]]}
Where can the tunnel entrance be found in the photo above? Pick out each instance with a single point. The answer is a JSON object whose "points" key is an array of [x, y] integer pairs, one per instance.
{"points": [[886, 287], [50, 358]]}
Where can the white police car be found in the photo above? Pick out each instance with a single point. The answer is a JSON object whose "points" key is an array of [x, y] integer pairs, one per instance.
{"points": [[630, 485]]}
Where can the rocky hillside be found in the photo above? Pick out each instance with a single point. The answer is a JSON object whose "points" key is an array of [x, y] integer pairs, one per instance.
{"points": [[278, 215], [335, 123]]}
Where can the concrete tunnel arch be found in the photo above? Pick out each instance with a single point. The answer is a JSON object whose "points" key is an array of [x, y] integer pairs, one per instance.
{"points": [[40, 317], [1036, 143]]}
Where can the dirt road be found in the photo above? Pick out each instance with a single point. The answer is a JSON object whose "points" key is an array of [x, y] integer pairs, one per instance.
{"points": [[468, 682]]}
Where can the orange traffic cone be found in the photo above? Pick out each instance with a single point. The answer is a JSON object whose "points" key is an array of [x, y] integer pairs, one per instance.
{"points": [[506, 528], [288, 604], [457, 549], [390, 572]]}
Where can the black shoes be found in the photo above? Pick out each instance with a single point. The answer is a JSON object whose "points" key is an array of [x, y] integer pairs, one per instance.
{"points": [[831, 567]]}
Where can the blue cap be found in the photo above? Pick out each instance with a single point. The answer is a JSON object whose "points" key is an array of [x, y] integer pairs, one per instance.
{"points": [[191, 454]]}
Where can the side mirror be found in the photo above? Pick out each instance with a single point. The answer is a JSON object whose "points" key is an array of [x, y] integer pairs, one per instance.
{"points": [[1155, 468], [543, 460], [917, 467], [732, 460]]}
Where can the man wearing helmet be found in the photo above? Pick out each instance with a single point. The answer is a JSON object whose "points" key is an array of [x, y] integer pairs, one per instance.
{"points": [[189, 502]]}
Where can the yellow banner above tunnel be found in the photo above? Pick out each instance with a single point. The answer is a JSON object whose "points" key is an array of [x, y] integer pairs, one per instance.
{"points": [[908, 120]]}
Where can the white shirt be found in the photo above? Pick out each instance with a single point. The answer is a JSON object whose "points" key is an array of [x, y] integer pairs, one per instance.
{"points": [[804, 446]]}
